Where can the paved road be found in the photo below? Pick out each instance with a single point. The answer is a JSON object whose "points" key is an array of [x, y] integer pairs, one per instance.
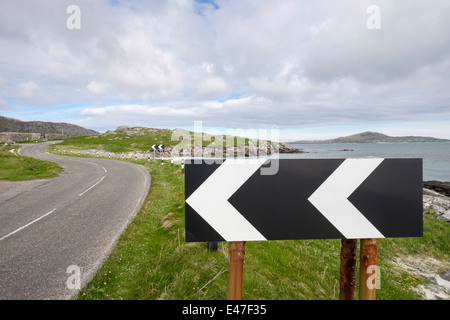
{"points": [[72, 220]]}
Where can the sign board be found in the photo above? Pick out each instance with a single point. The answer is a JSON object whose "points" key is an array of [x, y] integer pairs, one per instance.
{"points": [[305, 199], [159, 147]]}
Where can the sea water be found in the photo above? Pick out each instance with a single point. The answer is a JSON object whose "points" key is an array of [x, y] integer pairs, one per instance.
{"points": [[435, 155]]}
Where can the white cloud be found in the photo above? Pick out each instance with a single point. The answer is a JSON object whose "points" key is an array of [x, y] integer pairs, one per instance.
{"points": [[27, 90], [97, 87], [3, 103], [237, 63]]}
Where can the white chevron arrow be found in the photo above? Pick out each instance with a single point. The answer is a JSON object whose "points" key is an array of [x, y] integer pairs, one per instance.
{"points": [[210, 200], [331, 198]]}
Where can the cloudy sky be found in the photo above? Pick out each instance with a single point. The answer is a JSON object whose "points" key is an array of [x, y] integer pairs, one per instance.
{"points": [[312, 69]]}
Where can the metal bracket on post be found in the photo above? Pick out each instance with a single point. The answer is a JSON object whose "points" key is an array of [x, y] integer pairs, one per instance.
{"points": [[212, 246], [235, 270]]}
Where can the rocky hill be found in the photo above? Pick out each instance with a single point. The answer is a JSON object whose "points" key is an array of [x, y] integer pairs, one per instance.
{"points": [[373, 137], [15, 125], [138, 141]]}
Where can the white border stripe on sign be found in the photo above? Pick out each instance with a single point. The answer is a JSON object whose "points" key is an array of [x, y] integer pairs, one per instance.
{"points": [[331, 198], [210, 200]]}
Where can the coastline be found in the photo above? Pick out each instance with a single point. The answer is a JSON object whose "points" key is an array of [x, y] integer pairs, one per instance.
{"points": [[436, 198], [441, 187]]}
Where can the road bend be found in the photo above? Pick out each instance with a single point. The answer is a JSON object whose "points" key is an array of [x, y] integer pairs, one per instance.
{"points": [[57, 227]]}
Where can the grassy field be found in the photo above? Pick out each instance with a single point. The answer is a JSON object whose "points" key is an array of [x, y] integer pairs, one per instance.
{"points": [[120, 142], [152, 260], [14, 167]]}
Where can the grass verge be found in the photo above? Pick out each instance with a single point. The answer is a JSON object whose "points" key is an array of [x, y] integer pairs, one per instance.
{"points": [[14, 167], [152, 261]]}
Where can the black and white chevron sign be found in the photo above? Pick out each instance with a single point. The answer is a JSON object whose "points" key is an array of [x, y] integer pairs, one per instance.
{"points": [[305, 199], [159, 147]]}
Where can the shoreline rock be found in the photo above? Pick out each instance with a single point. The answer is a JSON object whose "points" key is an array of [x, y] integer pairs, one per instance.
{"points": [[437, 286], [248, 150], [438, 203], [441, 187]]}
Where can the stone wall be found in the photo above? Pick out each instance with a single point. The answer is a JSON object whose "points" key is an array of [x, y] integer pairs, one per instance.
{"points": [[11, 137]]}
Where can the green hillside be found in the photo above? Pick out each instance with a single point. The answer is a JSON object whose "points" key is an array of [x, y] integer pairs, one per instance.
{"points": [[139, 139]]}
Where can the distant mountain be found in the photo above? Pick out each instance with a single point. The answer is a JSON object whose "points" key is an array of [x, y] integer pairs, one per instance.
{"points": [[372, 137], [15, 125]]}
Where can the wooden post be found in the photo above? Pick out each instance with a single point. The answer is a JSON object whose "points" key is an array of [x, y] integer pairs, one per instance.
{"points": [[367, 264], [348, 269], [235, 270]]}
